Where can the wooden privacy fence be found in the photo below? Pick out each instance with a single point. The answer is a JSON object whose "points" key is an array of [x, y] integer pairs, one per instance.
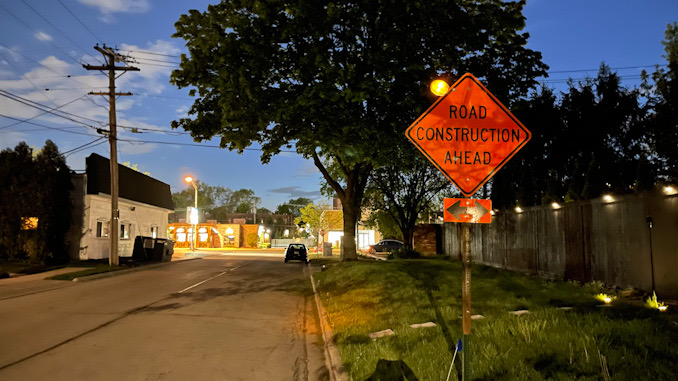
{"points": [[627, 241]]}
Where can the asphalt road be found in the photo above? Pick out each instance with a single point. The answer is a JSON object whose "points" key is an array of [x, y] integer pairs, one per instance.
{"points": [[216, 318]]}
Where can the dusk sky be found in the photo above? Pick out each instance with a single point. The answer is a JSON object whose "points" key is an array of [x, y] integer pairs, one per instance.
{"points": [[43, 45]]}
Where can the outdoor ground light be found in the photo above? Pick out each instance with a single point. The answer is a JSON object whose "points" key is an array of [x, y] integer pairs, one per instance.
{"points": [[607, 299], [439, 87]]}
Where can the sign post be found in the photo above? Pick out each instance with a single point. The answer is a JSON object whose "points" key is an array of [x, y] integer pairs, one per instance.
{"points": [[468, 135]]}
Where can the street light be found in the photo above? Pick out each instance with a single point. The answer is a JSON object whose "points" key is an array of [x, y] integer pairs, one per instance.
{"points": [[189, 179]]}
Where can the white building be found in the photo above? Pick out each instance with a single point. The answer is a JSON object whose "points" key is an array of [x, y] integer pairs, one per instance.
{"points": [[143, 201]]}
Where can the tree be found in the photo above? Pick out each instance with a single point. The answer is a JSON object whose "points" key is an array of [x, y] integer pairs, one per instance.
{"points": [[405, 191], [663, 102], [293, 206], [340, 81], [38, 187]]}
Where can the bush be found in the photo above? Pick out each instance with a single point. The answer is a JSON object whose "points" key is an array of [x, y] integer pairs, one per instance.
{"points": [[251, 239], [404, 253]]}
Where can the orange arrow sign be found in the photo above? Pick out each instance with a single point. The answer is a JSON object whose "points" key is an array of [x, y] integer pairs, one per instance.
{"points": [[467, 210], [468, 134]]}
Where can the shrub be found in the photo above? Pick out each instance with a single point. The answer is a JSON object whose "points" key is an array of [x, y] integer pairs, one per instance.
{"points": [[404, 253], [251, 239]]}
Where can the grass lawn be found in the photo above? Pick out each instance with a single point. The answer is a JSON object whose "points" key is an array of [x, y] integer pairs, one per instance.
{"points": [[625, 340]]}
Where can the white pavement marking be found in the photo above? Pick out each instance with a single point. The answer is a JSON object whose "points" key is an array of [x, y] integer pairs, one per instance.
{"points": [[208, 279]]}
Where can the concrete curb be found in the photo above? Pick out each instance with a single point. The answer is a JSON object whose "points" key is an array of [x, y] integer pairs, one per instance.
{"points": [[127, 271], [333, 359]]}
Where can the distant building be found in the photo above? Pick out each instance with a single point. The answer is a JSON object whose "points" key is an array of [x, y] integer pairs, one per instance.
{"points": [[143, 201]]}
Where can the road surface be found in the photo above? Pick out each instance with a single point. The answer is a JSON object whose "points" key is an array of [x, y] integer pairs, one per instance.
{"points": [[215, 318]]}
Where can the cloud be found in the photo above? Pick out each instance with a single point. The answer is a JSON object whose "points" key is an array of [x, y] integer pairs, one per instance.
{"points": [[294, 192], [42, 36], [119, 6], [307, 170]]}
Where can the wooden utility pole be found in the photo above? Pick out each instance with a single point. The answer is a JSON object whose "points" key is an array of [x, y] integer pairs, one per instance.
{"points": [[110, 56]]}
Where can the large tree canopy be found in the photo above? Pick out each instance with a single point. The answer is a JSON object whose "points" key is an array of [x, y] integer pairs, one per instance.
{"points": [[340, 81]]}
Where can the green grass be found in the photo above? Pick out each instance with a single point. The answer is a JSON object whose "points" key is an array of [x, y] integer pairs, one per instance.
{"points": [[97, 269], [626, 340]]}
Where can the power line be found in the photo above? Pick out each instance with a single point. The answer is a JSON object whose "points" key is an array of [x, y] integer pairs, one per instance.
{"points": [[151, 53], [27, 79], [55, 27], [80, 21], [42, 107], [36, 32], [62, 129], [46, 67], [82, 147], [612, 68], [43, 113], [132, 141]]}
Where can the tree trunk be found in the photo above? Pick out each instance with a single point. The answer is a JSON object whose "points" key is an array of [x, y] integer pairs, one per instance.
{"points": [[351, 216]]}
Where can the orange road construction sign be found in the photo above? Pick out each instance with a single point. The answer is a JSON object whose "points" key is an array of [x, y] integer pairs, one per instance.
{"points": [[468, 134], [467, 210]]}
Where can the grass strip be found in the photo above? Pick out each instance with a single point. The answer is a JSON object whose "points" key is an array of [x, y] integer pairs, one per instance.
{"points": [[625, 341]]}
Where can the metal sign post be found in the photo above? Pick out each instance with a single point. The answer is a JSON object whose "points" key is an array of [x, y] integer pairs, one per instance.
{"points": [[466, 302]]}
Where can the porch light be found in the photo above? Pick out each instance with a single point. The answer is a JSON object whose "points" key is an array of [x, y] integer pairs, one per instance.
{"points": [[519, 209], [555, 205], [608, 198]]}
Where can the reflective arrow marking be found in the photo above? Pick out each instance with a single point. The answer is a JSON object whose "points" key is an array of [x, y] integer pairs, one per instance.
{"points": [[477, 211]]}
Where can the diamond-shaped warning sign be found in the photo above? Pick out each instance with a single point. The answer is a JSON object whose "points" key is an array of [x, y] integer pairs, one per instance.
{"points": [[468, 134]]}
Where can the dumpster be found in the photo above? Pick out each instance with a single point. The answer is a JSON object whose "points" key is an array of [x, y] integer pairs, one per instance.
{"points": [[152, 249]]}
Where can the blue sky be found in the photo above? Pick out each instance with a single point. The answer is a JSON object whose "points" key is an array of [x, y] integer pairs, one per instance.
{"points": [[44, 42]]}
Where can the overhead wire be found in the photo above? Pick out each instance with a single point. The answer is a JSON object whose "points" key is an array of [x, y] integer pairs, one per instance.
{"points": [[62, 129], [27, 79], [56, 28], [44, 66], [80, 21], [84, 146], [43, 113], [37, 33], [42, 107]]}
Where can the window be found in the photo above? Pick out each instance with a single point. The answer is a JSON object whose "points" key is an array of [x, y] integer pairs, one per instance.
{"points": [[102, 228], [125, 230], [202, 234], [154, 231]]}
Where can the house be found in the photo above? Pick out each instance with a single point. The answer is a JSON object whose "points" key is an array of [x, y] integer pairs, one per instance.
{"points": [[144, 204], [332, 222]]}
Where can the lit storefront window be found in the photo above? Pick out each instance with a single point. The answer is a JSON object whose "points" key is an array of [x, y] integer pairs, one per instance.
{"points": [[202, 234], [181, 235]]}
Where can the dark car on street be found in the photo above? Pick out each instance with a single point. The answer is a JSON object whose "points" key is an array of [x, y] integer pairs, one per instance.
{"points": [[386, 245], [296, 251]]}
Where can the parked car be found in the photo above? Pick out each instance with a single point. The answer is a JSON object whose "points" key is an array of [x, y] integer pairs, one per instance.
{"points": [[296, 251], [385, 245]]}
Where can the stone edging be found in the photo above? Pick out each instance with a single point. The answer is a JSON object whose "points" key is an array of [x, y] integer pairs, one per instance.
{"points": [[333, 359], [127, 271]]}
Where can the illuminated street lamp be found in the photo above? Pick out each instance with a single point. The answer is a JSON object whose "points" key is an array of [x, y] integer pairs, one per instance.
{"points": [[193, 219]]}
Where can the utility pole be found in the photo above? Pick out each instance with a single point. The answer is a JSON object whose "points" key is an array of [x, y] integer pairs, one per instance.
{"points": [[110, 56]]}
